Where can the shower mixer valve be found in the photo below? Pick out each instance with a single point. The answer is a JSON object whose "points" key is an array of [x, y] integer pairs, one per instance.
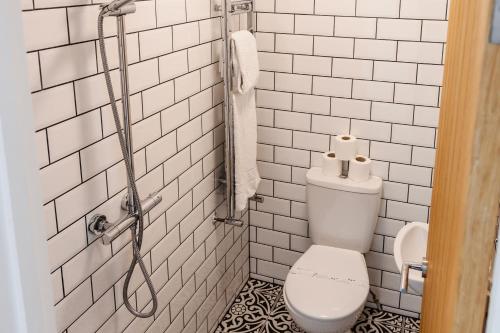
{"points": [[108, 231]]}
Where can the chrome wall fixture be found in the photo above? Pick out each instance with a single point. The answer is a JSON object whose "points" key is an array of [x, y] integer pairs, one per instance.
{"points": [[405, 272], [131, 203], [236, 8], [229, 8]]}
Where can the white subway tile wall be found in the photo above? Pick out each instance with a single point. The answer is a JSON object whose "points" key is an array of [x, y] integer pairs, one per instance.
{"points": [[196, 267], [372, 68]]}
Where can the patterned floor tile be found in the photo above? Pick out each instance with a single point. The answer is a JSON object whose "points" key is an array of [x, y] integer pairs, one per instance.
{"points": [[411, 324], [372, 320], [280, 320], [251, 307], [260, 308]]}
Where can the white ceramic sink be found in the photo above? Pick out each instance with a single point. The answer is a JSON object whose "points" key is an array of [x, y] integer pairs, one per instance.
{"points": [[411, 247]]}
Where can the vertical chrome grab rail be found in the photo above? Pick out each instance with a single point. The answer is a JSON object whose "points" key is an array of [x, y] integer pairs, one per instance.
{"points": [[127, 126], [229, 8], [228, 112]]}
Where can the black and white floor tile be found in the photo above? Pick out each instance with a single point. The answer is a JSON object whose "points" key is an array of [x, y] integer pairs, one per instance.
{"points": [[259, 308]]}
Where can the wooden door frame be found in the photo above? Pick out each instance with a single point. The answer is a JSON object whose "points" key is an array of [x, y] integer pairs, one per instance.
{"points": [[467, 176]]}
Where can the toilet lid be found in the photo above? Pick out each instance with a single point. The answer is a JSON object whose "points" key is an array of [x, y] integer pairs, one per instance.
{"points": [[327, 283]]}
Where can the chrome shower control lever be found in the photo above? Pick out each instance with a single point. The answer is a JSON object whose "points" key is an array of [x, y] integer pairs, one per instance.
{"points": [[405, 272], [147, 204]]}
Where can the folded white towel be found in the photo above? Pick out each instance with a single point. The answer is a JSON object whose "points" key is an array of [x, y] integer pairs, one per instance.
{"points": [[246, 73], [245, 61]]}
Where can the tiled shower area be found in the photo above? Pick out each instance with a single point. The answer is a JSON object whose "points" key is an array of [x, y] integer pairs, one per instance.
{"points": [[371, 68], [176, 97]]}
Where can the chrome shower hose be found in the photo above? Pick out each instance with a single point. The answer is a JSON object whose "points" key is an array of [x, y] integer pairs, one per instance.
{"points": [[137, 229]]}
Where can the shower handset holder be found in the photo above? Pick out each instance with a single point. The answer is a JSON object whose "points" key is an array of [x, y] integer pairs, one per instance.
{"points": [[109, 231], [118, 7]]}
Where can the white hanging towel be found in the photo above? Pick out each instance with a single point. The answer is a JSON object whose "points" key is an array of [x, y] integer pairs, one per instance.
{"points": [[245, 61], [246, 73]]}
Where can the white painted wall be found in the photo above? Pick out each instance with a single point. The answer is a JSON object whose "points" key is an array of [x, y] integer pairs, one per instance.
{"points": [[26, 302]]}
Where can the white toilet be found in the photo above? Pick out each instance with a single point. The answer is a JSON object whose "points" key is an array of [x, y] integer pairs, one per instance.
{"points": [[326, 290]]}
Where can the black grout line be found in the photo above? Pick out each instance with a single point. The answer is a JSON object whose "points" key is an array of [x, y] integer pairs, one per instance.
{"points": [[39, 62]]}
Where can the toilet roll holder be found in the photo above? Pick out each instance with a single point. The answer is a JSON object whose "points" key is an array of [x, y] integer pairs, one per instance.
{"points": [[344, 173], [345, 169], [345, 163]]}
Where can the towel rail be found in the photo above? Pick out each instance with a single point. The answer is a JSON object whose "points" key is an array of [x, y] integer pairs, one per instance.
{"points": [[227, 9]]}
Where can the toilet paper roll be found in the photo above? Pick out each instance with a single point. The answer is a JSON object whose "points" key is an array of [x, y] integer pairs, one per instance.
{"points": [[332, 166], [359, 168], [345, 147]]}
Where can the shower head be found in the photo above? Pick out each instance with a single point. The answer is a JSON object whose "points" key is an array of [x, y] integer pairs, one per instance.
{"points": [[118, 7]]}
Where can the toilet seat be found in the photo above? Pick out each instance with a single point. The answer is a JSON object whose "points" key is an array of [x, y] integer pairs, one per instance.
{"points": [[327, 284]]}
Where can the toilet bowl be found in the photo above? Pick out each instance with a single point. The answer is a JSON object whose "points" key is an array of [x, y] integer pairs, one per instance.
{"points": [[327, 289]]}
